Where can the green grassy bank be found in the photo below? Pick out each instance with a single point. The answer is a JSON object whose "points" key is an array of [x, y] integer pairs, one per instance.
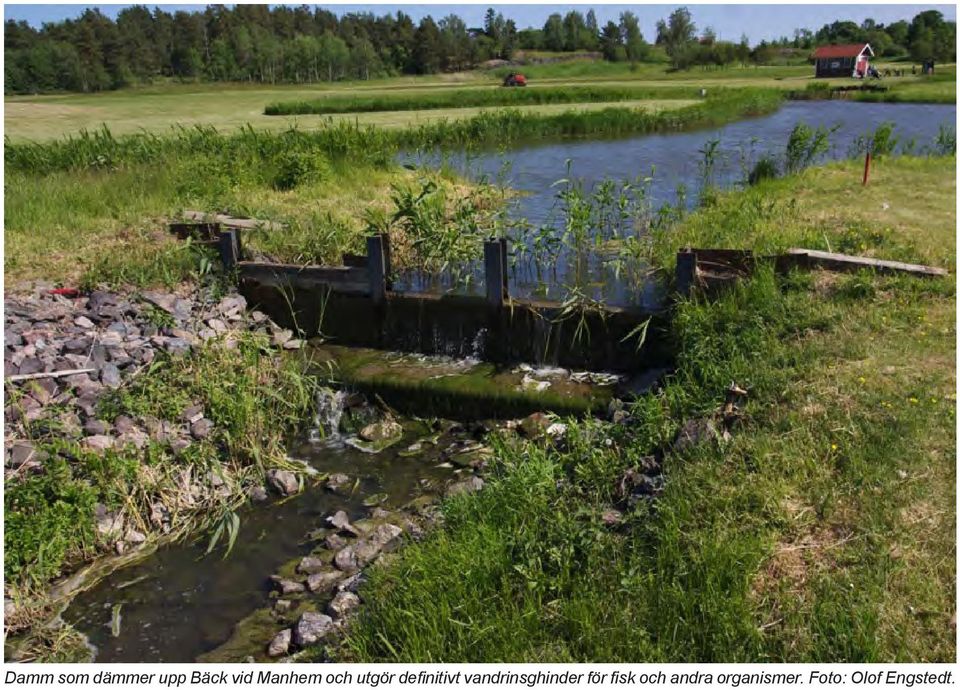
{"points": [[471, 98], [822, 530]]}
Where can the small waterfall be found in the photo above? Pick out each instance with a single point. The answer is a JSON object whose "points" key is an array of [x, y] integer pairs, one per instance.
{"points": [[329, 411]]}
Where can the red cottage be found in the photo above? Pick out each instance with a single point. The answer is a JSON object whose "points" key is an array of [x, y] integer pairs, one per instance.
{"points": [[843, 61]]}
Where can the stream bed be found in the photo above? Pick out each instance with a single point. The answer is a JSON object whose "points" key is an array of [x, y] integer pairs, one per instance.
{"points": [[182, 603]]}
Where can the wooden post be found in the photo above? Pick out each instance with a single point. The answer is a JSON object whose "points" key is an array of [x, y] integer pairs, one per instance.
{"points": [[866, 169], [229, 249], [495, 271], [686, 273], [387, 266], [377, 268]]}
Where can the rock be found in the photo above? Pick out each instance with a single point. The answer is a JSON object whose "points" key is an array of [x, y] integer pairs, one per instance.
{"points": [[192, 414], [202, 428], [611, 517], [694, 432], [12, 339], [311, 628], [234, 303], [620, 416], [342, 523], [346, 560], [364, 552], [381, 431], [177, 347], [83, 322], [110, 375], [352, 583], [283, 482], [96, 427], [42, 390], [334, 542], [465, 487], [217, 326], [21, 453], [31, 365], [134, 537], [339, 483], [293, 344], [134, 437], [343, 604], [282, 605], [324, 580], [109, 525], [123, 424], [310, 565], [386, 536], [534, 425], [280, 644], [257, 494], [281, 336], [287, 586], [98, 442]]}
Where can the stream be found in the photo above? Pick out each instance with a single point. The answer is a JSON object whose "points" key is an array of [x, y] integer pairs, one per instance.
{"points": [[181, 602]]}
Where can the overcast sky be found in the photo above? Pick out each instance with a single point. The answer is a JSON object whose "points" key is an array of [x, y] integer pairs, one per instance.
{"points": [[729, 21]]}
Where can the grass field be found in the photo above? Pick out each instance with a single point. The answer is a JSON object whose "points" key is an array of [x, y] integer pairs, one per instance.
{"points": [[229, 106], [824, 530]]}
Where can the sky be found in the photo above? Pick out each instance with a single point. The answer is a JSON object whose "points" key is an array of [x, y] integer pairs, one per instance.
{"points": [[728, 21]]}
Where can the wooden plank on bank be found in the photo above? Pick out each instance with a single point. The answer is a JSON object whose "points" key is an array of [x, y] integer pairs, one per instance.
{"points": [[845, 262], [231, 222], [349, 279]]}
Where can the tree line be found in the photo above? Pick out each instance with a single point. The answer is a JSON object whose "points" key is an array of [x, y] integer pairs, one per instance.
{"points": [[282, 44]]}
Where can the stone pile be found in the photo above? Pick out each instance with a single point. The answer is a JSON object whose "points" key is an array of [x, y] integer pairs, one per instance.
{"points": [[102, 339]]}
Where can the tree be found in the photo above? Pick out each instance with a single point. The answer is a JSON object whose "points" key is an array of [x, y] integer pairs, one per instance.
{"points": [[677, 35], [635, 47], [610, 43], [553, 34]]}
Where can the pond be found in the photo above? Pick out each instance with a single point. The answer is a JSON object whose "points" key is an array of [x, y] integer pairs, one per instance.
{"points": [[669, 162]]}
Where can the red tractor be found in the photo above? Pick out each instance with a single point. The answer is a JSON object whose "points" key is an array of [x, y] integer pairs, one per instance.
{"points": [[515, 79]]}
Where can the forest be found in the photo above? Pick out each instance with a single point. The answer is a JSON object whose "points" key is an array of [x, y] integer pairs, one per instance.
{"points": [[304, 44]]}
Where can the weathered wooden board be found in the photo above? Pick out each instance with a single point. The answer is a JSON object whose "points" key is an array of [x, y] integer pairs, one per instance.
{"points": [[844, 262], [231, 222], [347, 279]]}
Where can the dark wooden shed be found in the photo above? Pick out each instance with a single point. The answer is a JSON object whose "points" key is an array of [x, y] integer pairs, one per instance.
{"points": [[851, 60]]}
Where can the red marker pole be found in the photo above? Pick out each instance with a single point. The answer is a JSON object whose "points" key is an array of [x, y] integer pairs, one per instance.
{"points": [[866, 170]]}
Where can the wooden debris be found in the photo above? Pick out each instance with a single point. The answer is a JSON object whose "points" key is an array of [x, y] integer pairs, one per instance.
{"points": [[812, 258], [231, 222], [48, 374]]}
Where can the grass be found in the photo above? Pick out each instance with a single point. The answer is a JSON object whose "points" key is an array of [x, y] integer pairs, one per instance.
{"points": [[822, 531], [471, 98]]}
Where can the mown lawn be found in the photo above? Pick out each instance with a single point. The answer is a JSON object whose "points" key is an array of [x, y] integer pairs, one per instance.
{"points": [[823, 530]]}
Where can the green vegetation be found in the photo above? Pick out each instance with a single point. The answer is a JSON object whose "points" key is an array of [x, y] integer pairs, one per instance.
{"points": [[253, 402], [450, 98], [68, 199], [823, 530]]}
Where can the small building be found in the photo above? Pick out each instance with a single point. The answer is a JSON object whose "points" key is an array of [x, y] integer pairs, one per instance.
{"points": [[852, 60]]}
